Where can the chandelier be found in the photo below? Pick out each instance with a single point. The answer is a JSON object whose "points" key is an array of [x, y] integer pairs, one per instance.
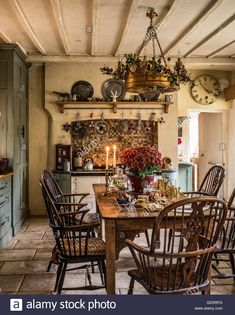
{"points": [[143, 75]]}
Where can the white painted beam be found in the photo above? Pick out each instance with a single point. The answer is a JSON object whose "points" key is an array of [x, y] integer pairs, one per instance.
{"points": [[56, 9], [132, 11], [211, 35], [4, 36], [214, 53], [106, 59], [26, 25], [194, 25], [95, 20]]}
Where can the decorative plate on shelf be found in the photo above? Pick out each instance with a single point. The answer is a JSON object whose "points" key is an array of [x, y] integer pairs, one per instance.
{"points": [[113, 86], [83, 90]]}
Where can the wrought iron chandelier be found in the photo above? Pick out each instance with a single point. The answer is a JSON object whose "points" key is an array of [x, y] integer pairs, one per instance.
{"points": [[143, 75]]}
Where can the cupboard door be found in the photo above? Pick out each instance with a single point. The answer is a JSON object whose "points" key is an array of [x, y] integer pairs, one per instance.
{"points": [[23, 190], [19, 193], [17, 131], [23, 131], [16, 195], [3, 125]]}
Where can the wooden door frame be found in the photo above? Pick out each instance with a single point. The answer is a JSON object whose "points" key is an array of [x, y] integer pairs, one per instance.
{"points": [[225, 135]]}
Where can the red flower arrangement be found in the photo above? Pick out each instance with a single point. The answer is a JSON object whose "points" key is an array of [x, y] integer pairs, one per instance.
{"points": [[142, 161]]}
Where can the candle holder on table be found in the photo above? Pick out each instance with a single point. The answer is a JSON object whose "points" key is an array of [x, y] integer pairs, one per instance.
{"points": [[107, 190]]}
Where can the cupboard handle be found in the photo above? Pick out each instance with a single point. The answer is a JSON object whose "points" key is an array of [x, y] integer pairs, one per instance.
{"points": [[22, 131], [3, 187]]}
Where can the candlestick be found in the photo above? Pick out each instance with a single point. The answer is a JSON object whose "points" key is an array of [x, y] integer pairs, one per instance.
{"points": [[114, 156], [107, 158]]}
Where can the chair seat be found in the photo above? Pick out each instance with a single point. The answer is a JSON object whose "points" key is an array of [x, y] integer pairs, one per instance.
{"points": [[95, 247], [159, 278]]}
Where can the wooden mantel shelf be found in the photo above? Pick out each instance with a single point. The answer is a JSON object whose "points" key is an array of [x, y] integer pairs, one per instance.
{"points": [[114, 105]]}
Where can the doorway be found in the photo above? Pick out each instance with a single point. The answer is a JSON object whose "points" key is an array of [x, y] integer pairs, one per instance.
{"points": [[207, 142]]}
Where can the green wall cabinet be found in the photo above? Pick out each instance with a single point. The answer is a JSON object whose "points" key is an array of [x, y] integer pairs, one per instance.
{"points": [[14, 125], [5, 209]]}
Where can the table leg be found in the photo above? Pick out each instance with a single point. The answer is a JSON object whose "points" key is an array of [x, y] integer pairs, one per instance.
{"points": [[110, 255]]}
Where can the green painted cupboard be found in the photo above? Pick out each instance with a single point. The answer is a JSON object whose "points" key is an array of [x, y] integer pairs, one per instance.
{"points": [[14, 125]]}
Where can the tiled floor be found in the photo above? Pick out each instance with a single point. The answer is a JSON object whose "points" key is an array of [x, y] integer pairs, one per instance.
{"points": [[24, 261]]}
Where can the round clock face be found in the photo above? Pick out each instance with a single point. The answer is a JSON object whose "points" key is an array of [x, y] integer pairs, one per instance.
{"points": [[206, 90]]}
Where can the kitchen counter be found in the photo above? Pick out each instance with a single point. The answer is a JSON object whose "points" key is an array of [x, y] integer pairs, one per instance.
{"points": [[81, 172], [5, 175], [185, 163]]}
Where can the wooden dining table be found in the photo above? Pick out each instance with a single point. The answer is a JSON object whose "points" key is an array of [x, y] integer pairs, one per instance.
{"points": [[119, 225]]}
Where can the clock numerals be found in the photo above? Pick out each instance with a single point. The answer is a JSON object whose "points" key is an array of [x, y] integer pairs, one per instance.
{"points": [[206, 89]]}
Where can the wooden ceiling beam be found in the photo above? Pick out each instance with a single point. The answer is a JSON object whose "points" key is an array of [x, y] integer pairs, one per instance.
{"points": [[5, 37], [26, 25], [214, 53], [56, 9], [163, 19], [105, 59], [131, 13], [194, 25], [95, 21], [211, 35]]}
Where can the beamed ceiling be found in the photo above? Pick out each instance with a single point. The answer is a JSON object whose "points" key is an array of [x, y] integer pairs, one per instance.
{"points": [[203, 31]]}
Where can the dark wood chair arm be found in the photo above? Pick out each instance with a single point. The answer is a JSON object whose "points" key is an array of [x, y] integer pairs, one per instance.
{"points": [[137, 247], [70, 204], [77, 194], [81, 227], [168, 255], [71, 197], [73, 213]]}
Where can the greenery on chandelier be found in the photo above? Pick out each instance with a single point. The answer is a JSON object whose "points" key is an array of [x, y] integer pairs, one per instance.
{"points": [[135, 64]]}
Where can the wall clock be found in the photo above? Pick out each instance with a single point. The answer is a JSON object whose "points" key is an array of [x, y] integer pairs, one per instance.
{"points": [[206, 89]]}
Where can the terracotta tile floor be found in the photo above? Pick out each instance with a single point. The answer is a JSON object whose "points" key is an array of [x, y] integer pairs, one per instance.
{"points": [[24, 261]]}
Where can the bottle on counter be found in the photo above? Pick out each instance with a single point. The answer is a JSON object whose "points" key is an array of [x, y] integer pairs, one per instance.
{"points": [[67, 166]]}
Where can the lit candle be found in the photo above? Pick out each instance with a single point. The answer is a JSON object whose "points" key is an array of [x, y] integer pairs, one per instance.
{"points": [[107, 158], [114, 155]]}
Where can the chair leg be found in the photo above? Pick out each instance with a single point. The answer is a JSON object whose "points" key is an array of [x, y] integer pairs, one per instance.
{"points": [[216, 259], [104, 272], [49, 266], [206, 291], [231, 257], [147, 237], [61, 281], [88, 276], [92, 267], [131, 286], [58, 275], [101, 271]]}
